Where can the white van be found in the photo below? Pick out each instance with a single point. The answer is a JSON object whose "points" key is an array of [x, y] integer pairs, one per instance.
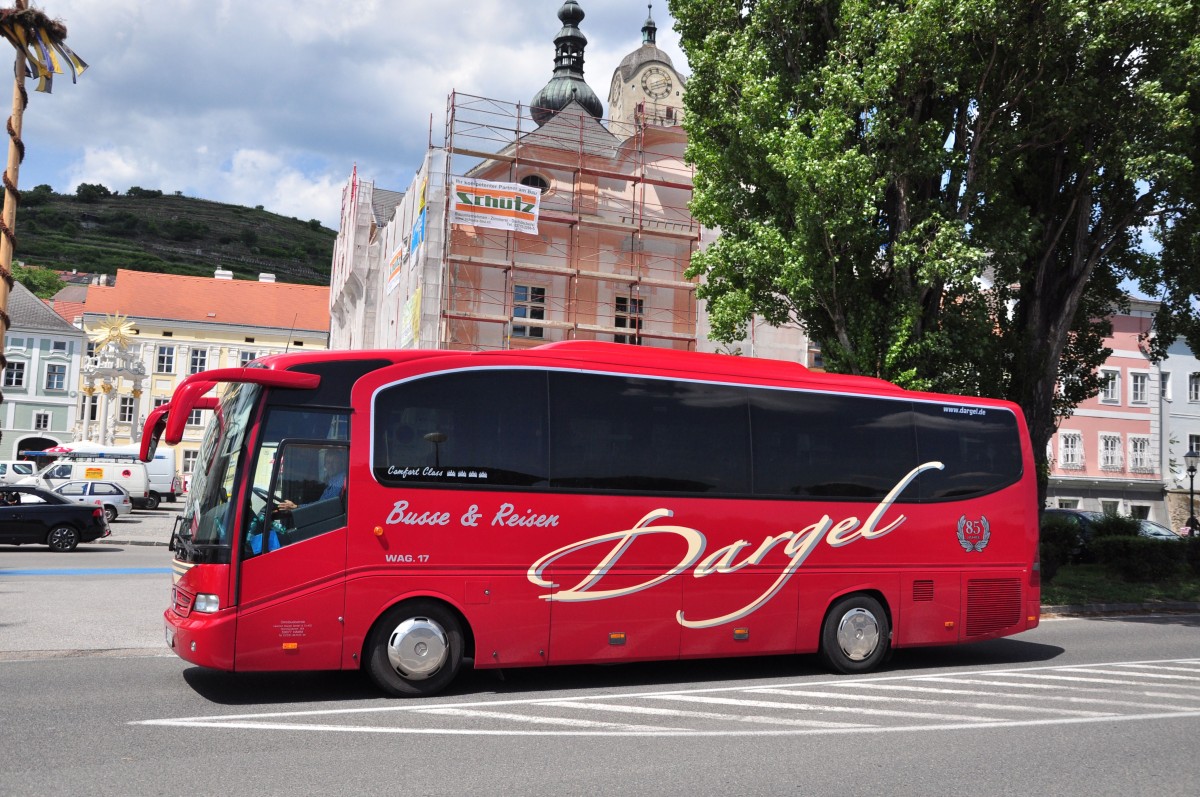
{"points": [[165, 483], [12, 470], [129, 474]]}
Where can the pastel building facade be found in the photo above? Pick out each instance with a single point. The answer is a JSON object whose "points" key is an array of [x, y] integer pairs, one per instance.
{"points": [[1112, 454], [41, 380]]}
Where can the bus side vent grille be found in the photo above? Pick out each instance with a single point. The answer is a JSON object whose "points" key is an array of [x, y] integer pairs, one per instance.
{"points": [[993, 604], [922, 591]]}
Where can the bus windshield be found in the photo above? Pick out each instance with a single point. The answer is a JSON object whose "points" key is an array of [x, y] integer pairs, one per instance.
{"points": [[209, 511]]}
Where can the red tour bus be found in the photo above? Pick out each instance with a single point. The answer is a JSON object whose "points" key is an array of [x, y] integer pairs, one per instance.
{"points": [[588, 502]]}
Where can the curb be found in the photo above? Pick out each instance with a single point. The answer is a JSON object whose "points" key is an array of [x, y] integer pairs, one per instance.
{"points": [[111, 541]]}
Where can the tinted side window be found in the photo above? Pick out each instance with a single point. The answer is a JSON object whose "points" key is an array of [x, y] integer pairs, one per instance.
{"points": [[629, 433], [473, 428], [979, 446], [818, 445]]}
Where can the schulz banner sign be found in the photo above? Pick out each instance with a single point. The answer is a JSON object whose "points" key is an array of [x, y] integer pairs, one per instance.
{"points": [[504, 206]]}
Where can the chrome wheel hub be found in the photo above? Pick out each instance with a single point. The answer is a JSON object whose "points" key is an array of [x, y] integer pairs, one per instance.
{"points": [[417, 648], [858, 634]]}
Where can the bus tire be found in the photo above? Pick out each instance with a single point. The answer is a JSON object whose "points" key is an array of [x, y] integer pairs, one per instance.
{"points": [[415, 649], [856, 635]]}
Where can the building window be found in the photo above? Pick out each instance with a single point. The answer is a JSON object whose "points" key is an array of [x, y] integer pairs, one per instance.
{"points": [[58, 346], [91, 349], [1164, 384], [1110, 389], [1068, 503], [125, 410], [166, 360], [536, 181], [160, 400], [1070, 450], [199, 361], [90, 403], [629, 315], [246, 357], [1139, 454], [1110, 452], [1110, 507], [1138, 384], [41, 421], [189, 461], [56, 377], [529, 301], [14, 375], [1194, 387], [194, 418]]}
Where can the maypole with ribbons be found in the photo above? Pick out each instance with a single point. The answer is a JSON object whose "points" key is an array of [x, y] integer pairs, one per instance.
{"points": [[42, 53]]}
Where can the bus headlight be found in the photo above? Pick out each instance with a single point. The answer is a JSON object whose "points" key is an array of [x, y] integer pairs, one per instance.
{"points": [[206, 603]]}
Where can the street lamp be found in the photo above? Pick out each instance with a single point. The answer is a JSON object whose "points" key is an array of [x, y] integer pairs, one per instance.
{"points": [[1192, 458]]}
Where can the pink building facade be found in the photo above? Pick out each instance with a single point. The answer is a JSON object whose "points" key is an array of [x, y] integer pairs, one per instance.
{"points": [[1109, 454]]}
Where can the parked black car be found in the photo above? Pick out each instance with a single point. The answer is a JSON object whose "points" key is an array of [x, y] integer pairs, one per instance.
{"points": [[32, 515]]}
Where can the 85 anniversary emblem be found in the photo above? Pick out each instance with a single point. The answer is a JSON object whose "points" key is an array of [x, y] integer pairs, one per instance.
{"points": [[973, 535]]}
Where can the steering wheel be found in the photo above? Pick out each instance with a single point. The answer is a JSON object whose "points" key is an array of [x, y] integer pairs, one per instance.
{"points": [[266, 495]]}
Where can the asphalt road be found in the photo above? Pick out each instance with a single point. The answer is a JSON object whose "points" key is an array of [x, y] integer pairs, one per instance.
{"points": [[92, 703]]}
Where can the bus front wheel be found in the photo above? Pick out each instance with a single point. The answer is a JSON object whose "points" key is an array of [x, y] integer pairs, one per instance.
{"points": [[856, 635], [415, 649]]}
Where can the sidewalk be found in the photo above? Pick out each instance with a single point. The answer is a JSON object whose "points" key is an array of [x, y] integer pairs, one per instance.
{"points": [[144, 526]]}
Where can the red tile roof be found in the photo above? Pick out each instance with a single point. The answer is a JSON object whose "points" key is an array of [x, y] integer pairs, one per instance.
{"points": [[68, 310], [143, 294]]}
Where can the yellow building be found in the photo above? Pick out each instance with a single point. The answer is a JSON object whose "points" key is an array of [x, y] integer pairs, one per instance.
{"points": [[171, 326]]}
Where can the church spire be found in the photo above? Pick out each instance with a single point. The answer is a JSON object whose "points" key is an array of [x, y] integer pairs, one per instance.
{"points": [[567, 84], [649, 29]]}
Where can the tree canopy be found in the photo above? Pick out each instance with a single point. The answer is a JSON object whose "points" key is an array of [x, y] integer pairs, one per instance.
{"points": [[949, 194], [41, 282]]}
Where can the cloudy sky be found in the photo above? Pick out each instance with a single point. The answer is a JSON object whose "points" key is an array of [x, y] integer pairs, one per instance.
{"points": [[272, 102]]}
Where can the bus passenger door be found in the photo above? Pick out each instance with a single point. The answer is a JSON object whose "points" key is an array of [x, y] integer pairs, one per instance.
{"points": [[292, 589]]}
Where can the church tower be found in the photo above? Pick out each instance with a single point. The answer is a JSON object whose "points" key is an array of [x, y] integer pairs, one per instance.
{"points": [[646, 89]]}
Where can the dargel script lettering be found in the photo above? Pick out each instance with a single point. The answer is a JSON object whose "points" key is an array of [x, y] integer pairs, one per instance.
{"points": [[794, 545]]}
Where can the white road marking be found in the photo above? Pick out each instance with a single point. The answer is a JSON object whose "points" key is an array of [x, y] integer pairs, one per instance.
{"points": [[930, 702], [542, 720], [707, 715]]}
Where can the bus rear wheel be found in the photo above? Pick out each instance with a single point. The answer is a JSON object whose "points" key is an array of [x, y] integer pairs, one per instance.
{"points": [[856, 636], [415, 649]]}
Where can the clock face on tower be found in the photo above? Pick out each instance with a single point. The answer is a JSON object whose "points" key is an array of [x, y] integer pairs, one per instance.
{"points": [[656, 83]]}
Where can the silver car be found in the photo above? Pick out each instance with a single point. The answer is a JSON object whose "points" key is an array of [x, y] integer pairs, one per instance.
{"points": [[113, 498]]}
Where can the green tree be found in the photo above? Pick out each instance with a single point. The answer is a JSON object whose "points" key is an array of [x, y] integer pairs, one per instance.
{"points": [[91, 192], [38, 195], [41, 282], [946, 193]]}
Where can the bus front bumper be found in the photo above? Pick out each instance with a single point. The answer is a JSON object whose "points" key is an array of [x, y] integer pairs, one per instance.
{"points": [[203, 639]]}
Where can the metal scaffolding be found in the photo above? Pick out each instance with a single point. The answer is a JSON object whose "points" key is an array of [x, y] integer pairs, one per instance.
{"points": [[615, 234]]}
